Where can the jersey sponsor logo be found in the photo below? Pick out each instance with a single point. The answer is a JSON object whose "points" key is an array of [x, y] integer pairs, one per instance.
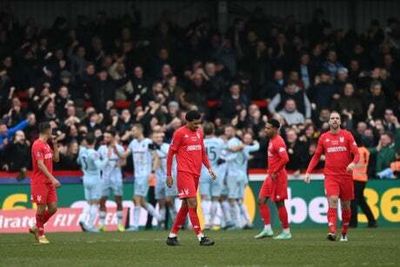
{"points": [[334, 149], [193, 148]]}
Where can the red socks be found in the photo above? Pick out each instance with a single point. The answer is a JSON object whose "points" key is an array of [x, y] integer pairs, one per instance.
{"points": [[46, 216], [346, 216], [283, 217], [180, 219], [332, 218], [194, 219], [40, 218], [265, 214]]}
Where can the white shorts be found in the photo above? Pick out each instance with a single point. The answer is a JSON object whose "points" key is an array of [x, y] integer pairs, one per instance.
{"points": [[211, 188], [114, 186], [141, 186], [162, 190], [92, 191], [233, 186]]}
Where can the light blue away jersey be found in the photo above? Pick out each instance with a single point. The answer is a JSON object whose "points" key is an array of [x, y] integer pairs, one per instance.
{"points": [[112, 168], [246, 154], [235, 160], [214, 147], [91, 163], [142, 158]]}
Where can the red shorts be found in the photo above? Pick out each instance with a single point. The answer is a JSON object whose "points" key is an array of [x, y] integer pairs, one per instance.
{"points": [[343, 187], [275, 189], [43, 193], [187, 184]]}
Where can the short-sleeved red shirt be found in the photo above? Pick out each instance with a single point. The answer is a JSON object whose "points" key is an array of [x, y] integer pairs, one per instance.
{"points": [[41, 151], [190, 153]]}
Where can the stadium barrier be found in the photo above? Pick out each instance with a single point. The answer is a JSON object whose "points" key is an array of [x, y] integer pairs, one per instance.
{"points": [[306, 205]]}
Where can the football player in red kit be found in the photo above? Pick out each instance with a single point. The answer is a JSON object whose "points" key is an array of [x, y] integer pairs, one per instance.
{"points": [[275, 184], [188, 147], [341, 156], [43, 183]]}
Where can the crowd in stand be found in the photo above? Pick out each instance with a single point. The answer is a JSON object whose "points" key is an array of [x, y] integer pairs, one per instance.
{"points": [[111, 72]]}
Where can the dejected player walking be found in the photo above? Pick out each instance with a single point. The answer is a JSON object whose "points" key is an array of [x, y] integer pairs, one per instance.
{"points": [[188, 146], [341, 155], [275, 184], [43, 183]]}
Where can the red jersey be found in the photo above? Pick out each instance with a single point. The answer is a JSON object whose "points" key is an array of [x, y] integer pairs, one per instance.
{"points": [[277, 155], [41, 151], [340, 150], [189, 149]]}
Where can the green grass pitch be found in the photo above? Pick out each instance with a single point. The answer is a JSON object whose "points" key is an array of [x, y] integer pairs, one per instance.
{"points": [[367, 247]]}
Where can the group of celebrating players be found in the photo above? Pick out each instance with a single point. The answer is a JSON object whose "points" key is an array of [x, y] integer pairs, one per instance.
{"points": [[196, 158]]}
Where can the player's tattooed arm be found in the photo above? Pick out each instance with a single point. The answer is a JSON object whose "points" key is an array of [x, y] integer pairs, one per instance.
{"points": [[46, 172]]}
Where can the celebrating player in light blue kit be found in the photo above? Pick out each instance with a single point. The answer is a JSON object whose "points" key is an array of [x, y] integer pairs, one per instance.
{"points": [[143, 166], [211, 190], [164, 195], [111, 177], [235, 175], [248, 146], [91, 164]]}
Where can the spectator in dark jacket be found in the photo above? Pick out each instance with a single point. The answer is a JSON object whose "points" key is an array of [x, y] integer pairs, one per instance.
{"points": [[18, 155], [291, 91], [103, 90], [233, 102], [331, 64], [296, 151], [349, 102], [68, 159], [306, 71], [375, 101], [322, 93], [275, 86]]}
